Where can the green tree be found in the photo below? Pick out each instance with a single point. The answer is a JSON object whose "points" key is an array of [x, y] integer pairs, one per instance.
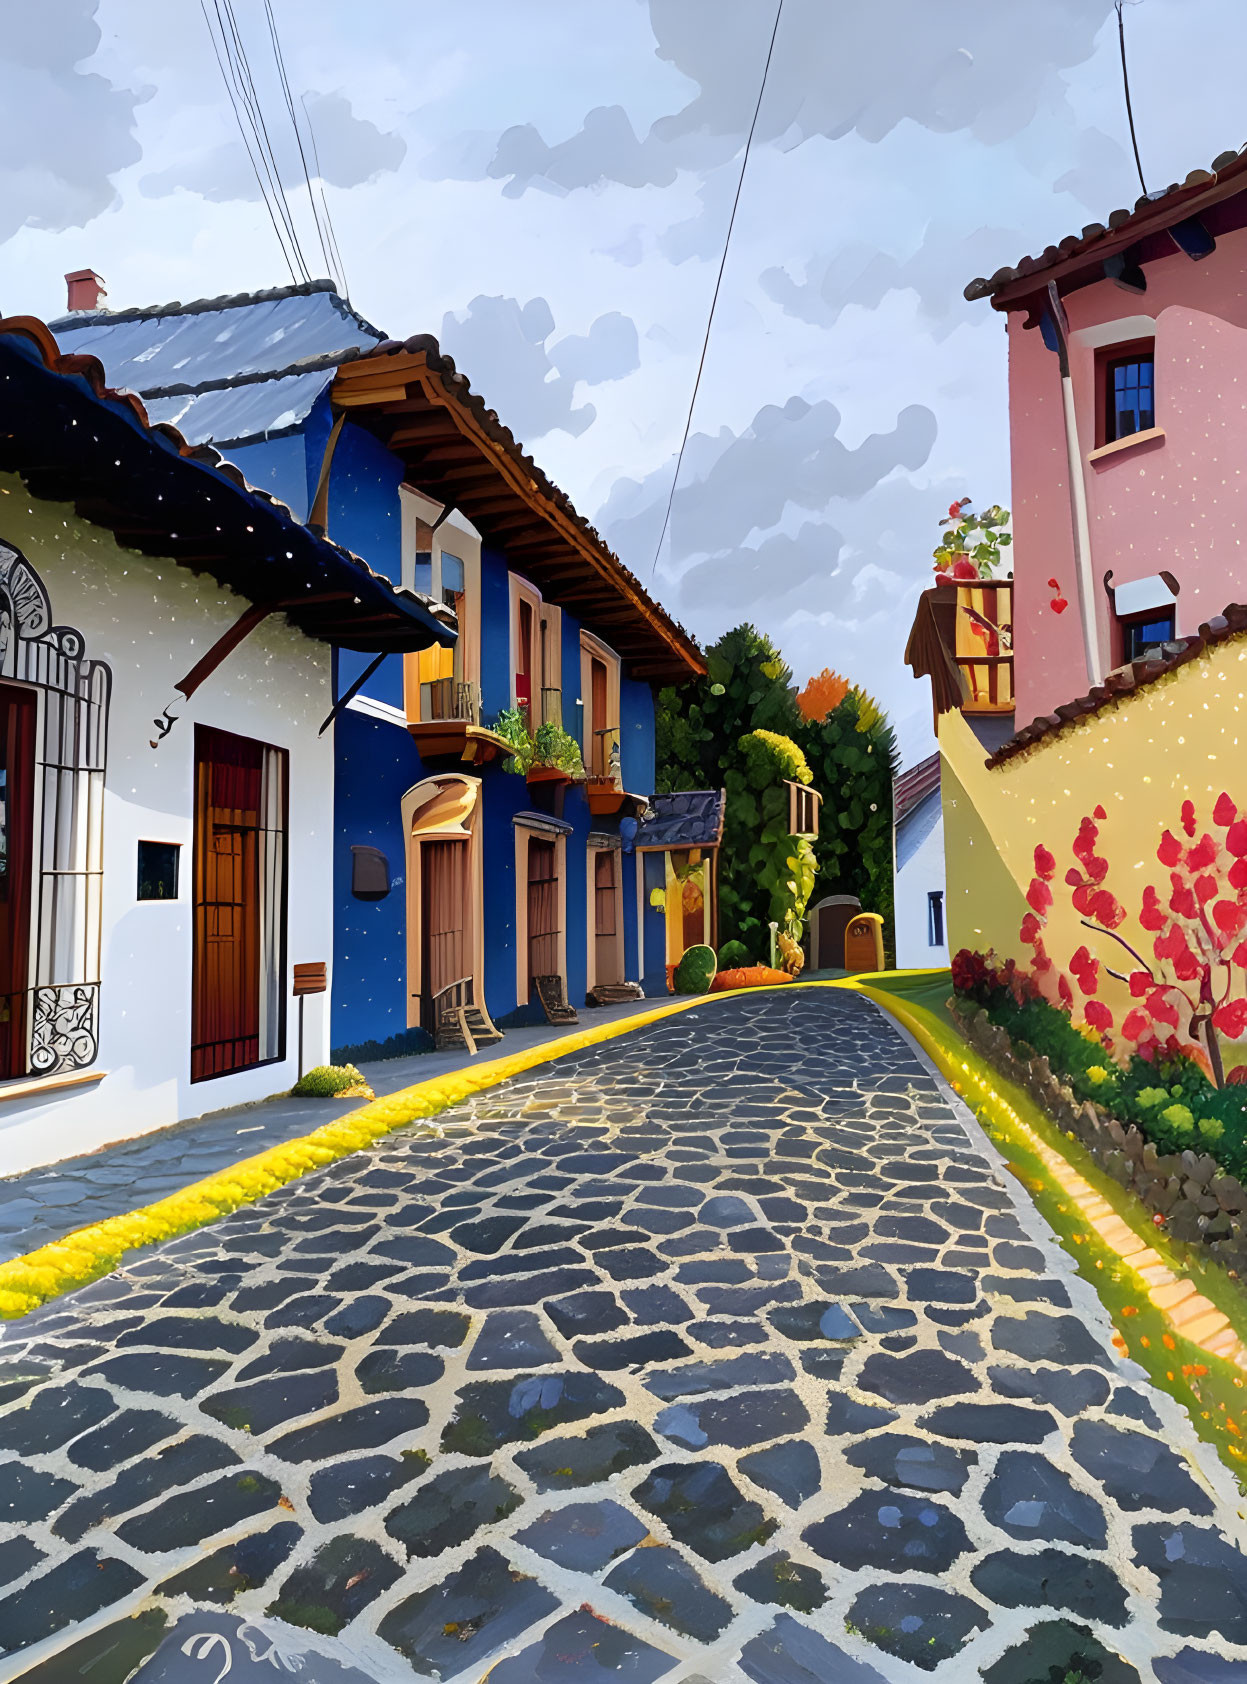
{"points": [[747, 687], [765, 873], [852, 756]]}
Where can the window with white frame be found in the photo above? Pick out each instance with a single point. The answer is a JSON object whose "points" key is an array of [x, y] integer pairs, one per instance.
{"points": [[600, 743]]}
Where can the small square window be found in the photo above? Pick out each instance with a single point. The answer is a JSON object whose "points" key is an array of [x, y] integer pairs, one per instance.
{"points": [[1129, 395], [158, 870], [1141, 636]]}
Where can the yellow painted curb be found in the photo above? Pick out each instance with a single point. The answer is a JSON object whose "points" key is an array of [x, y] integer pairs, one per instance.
{"points": [[85, 1255], [1185, 1309]]}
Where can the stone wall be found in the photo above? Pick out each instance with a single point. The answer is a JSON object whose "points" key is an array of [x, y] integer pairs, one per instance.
{"points": [[1200, 1203]]}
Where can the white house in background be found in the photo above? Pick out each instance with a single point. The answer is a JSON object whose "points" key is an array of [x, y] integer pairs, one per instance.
{"points": [[167, 640], [918, 868]]}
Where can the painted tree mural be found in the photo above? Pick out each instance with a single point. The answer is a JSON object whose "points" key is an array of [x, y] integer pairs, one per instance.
{"points": [[1194, 985]]}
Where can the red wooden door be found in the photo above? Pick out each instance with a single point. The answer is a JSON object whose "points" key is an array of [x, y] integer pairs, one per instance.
{"points": [[606, 952], [225, 992], [17, 780], [543, 922], [443, 920]]}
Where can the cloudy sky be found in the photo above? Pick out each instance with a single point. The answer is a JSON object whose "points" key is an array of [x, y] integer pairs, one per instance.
{"points": [[546, 184]]}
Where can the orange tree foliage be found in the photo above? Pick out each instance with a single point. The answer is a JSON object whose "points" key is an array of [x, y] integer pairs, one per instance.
{"points": [[825, 691]]}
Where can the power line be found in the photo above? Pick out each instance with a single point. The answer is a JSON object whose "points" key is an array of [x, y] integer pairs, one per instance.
{"points": [[294, 123], [675, 478], [272, 215], [1125, 78], [255, 112]]}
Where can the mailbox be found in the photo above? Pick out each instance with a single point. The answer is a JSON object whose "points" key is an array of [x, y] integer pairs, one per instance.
{"points": [[863, 942]]}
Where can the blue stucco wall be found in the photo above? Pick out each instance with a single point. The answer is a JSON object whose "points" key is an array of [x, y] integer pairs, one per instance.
{"points": [[278, 466], [654, 980], [636, 736], [364, 516]]}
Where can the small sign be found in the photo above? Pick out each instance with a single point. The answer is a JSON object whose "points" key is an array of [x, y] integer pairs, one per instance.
{"points": [[311, 979]]}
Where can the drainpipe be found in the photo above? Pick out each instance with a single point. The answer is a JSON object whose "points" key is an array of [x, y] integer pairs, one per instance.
{"points": [[1077, 492]]}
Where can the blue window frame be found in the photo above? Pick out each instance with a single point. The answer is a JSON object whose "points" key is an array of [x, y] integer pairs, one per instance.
{"points": [[935, 918], [1129, 390]]}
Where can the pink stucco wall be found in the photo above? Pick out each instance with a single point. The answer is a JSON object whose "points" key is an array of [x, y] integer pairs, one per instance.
{"points": [[1178, 504]]}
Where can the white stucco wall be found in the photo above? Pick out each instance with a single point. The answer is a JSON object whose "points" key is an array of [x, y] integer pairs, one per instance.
{"points": [[151, 620], [919, 869]]}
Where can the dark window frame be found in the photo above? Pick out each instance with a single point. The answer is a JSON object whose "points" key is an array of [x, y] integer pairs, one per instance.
{"points": [[176, 853], [1108, 359], [1136, 624], [935, 918]]}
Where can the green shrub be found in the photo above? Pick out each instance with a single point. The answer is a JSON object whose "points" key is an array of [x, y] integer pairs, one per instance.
{"points": [[696, 971], [549, 746], [733, 955], [327, 1080]]}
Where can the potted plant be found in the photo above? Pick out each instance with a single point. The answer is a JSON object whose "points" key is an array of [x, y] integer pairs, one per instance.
{"points": [[970, 550], [548, 755]]}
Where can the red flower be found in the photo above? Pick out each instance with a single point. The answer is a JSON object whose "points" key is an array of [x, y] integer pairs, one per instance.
{"points": [[1098, 1015], [1097, 867], [1136, 1025], [1205, 887], [1225, 812], [1045, 863], [1029, 932], [1231, 1018], [1236, 838], [1140, 982], [1188, 817], [1100, 814], [1106, 909], [1182, 900], [1170, 850]]}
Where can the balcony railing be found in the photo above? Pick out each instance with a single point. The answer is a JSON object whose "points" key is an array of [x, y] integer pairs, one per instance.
{"points": [[450, 699], [603, 756]]}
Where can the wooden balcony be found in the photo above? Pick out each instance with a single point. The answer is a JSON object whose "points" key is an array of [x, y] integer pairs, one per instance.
{"points": [[449, 727], [962, 640]]}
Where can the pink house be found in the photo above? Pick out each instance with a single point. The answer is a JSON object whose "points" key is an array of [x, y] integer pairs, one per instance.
{"points": [[1128, 419]]}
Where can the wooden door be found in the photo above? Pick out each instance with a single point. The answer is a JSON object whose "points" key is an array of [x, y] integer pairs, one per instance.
{"points": [[225, 991], [600, 754], [17, 784], [543, 920], [443, 917], [606, 948]]}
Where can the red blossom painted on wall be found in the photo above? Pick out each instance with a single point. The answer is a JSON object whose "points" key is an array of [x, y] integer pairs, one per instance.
{"points": [[1194, 986]]}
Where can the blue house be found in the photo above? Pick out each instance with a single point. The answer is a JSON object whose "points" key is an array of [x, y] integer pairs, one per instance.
{"points": [[487, 796]]}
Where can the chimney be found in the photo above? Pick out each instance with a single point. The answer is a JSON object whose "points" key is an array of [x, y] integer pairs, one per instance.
{"points": [[86, 288]]}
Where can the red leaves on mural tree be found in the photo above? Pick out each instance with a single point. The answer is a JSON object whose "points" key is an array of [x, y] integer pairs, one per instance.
{"points": [[1170, 851], [1231, 1018], [1188, 817], [1152, 916], [1045, 863], [1225, 812], [1098, 1015], [1039, 896], [1236, 838], [1202, 854], [1135, 1025]]}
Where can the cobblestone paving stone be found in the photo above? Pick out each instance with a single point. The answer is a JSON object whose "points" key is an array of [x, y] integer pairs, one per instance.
{"points": [[725, 1352]]}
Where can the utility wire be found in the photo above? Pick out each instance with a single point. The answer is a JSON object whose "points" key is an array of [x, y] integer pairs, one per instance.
{"points": [[1125, 78], [675, 478], [333, 238], [256, 111], [203, 6], [294, 123], [278, 207]]}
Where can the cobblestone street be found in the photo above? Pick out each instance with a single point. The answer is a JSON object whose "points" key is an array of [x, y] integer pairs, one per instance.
{"points": [[725, 1351]]}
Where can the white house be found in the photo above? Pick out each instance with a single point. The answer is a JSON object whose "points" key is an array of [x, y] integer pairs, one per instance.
{"points": [[918, 870], [166, 791]]}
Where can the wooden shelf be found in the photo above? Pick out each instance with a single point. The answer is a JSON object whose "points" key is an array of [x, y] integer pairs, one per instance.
{"points": [[455, 739]]}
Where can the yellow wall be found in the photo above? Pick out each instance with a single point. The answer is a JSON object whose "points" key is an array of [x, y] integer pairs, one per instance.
{"points": [[1179, 738]]}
